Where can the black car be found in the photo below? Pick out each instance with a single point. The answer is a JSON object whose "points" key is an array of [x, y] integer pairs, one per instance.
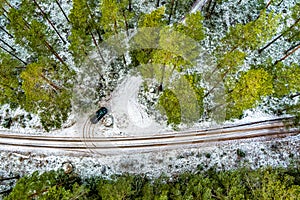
{"points": [[99, 115]]}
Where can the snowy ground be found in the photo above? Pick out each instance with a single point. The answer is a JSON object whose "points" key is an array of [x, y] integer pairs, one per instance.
{"points": [[222, 156], [129, 115], [130, 118]]}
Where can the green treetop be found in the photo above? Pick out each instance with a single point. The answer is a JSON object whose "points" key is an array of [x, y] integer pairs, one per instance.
{"points": [[115, 17], [10, 87], [81, 31], [290, 30], [248, 91], [47, 87], [286, 79], [153, 19], [192, 26], [254, 34], [32, 34]]}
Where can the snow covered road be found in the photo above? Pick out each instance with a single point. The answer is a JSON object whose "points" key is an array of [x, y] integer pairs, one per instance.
{"points": [[147, 143]]}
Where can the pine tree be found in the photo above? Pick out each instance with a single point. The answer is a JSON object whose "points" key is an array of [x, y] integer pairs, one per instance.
{"points": [[176, 10], [122, 187], [192, 26], [164, 49], [48, 185], [10, 87], [293, 34], [241, 39], [248, 91], [47, 88], [252, 35], [4, 12], [83, 28], [115, 17], [290, 31], [153, 19], [149, 27], [31, 34], [13, 54], [48, 20], [171, 10], [227, 64], [190, 96], [286, 79], [211, 5], [62, 10], [169, 105]]}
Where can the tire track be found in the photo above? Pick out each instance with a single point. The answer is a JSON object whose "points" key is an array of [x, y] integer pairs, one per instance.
{"points": [[112, 145]]}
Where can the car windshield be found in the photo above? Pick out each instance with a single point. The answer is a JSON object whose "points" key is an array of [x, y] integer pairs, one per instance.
{"points": [[101, 111]]}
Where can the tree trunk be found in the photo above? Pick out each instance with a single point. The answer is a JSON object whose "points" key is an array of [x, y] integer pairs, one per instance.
{"points": [[6, 191], [274, 40], [6, 17], [62, 11], [124, 60], [54, 52], [279, 36], [14, 55], [99, 52], [46, 43], [157, 3], [10, 178], [126, 23], [7, 45], [172, 71], [208, 6], [49, 21], [8, 4], [99, 35], [116, 32], [4, 10], [130, 5], [280, 3], [162, 77], [213, 8], [10, 35], [215, 69], [175, 7], [287, 55], [53, 85], [223, 76], [295, 95], [116, 27], [49, 47], [268, 4], [207, 9], [292, 37], [92, 16], [292, 47], [5, 13], [171, 11]]}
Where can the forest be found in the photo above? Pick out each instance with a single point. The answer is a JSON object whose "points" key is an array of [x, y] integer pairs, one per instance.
{"points": [[252, 54], [243, 183], [213, 64]]}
